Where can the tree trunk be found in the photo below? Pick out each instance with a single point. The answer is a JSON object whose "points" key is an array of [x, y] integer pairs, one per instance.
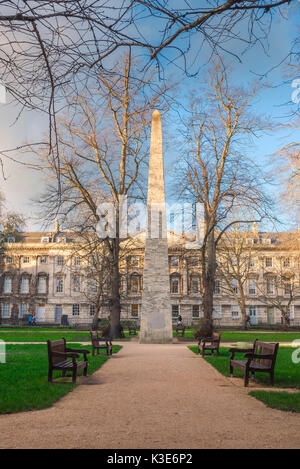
{"points": [[209, 270]]}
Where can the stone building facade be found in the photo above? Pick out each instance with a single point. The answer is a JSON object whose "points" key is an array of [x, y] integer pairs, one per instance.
{"points": [[40, 275]]}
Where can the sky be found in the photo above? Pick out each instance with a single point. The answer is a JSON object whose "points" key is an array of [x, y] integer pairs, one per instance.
{"points": [[22, 184]]}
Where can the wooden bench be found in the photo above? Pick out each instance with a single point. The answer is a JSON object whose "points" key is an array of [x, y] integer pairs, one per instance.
{"points": [[261, 358], [180, 330], [96, 345], [132, 330], [63, 358], [211, 344]]}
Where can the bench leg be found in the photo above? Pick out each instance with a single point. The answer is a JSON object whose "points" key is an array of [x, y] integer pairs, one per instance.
{"points": [[85, 370], [272, 378], [246, 382], [231, 370], [74, 375], [93, 351], [50, 376]]}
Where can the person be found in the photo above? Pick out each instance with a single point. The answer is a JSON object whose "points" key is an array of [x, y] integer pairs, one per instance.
{"points": [[30, 320], [179, 320], [34, 319], [248, 322]]}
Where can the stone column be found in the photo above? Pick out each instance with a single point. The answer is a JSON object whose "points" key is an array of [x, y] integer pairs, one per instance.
{"points": [[156, 315]]}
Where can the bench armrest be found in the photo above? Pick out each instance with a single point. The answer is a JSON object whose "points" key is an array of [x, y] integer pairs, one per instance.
{"points": [[240, 350], [259, 355], [78, 351], [65, 354]]}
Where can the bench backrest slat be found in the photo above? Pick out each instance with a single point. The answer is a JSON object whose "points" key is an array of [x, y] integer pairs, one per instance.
{"points": [[56, 346], [264, 348]]}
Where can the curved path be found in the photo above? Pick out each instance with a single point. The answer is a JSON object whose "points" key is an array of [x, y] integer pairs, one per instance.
{"points": [[153, 396]]}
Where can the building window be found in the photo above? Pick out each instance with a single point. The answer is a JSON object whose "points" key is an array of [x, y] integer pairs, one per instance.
{"points": [[286, 262], [7, 284], [252, 286], [135, 310], [269, 261], [174, 261], [42, 285], [135, 283], [77, 261], [134, 261], [25, 285], [92, 310], [11, 239], [234, 285], [235, 311], [195, 284], [217, 287], [251, 262], [175, 311], [23, 310], [195, 311], [287, 288], [93, 285], [174, 285], [270, 286], [76, 283], [8, 260], [75, 310], [60, 260], [59, 284], [5, 310], [217, 312], [194, 261], [43, 260], [26, 260]]}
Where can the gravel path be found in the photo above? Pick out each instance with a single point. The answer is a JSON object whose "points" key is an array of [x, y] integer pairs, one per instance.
{"points": [[153, 396]]}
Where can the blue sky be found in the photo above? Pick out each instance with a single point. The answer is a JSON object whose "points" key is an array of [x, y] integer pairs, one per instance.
{"points": [[22, 184]]}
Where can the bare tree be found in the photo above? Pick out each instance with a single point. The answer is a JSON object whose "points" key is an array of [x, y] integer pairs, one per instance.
{"points": [[217, 172], [235, 264], [280, 284], [50, 49], [104, 142]]}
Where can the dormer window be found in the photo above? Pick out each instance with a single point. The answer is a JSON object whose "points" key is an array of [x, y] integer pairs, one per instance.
{"points": [[61, 239], [45, 239]]}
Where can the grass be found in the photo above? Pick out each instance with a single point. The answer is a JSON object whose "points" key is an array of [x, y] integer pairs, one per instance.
{"points": [[42, 336], [287, 375], [24, 378], [279, 400], [250, 336]]}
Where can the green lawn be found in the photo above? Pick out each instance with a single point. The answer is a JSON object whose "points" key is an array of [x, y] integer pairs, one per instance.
{"points": [[24, 378], [42, 336], [287, 375], [279, 400], [251, 336]]}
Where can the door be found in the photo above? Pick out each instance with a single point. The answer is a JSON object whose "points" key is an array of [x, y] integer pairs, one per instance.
{"points": [[57, 313], [270, 315], [40, 313], [253, 315]]}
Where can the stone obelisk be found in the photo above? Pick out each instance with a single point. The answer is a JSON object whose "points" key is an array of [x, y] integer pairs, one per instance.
{"points": [[156, 317]]}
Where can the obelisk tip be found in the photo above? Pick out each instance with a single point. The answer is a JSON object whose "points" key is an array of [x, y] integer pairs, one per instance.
{"points": [[155, 114]]}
